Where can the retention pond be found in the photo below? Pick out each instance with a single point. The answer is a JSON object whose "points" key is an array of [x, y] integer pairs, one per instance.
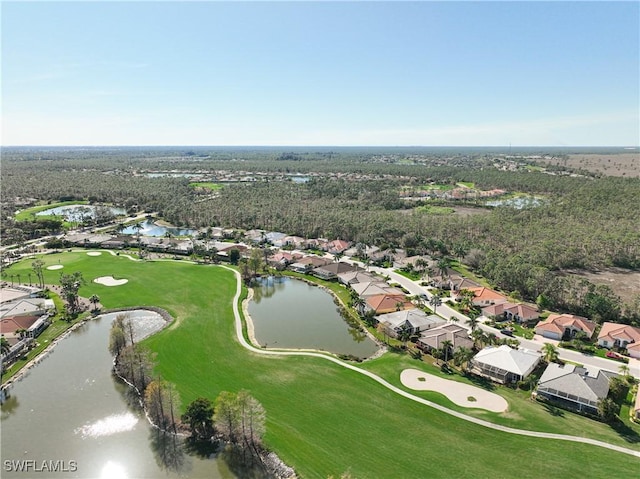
{"points": [[69, 417], [289, 313]]}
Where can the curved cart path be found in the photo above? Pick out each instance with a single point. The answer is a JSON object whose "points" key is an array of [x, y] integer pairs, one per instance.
{"points": [[480, 422]]}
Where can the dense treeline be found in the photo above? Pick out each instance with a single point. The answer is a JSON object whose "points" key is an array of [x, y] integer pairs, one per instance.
{"points": [[584, 222]]}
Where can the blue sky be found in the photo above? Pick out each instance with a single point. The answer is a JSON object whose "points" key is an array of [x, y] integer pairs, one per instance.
{"points": [[321, 73]]}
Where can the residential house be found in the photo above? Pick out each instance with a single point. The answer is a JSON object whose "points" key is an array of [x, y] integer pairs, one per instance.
{"points": [[386, 303], [275, 238], [434, 338], [486, 297], [504, 364], [13, 293], [332, 270], [87, 239], [574, 387], [316, 243], [559, 326], [282, 259], [373, 288], [295, 241], [415, 321], [307, 263], [255, 236], [354, 277], [464, 283], [26, 307], [337, 246], [18, 327], [511, 312], [118, 242], [356, 250], [613, 335]]}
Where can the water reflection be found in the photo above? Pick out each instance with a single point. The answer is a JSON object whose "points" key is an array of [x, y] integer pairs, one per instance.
{"points": [[113, 470], [168, 451], [8, 404], [267, 286], [109, 425]]}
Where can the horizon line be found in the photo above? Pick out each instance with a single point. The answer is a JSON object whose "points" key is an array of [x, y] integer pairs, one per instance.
{"points": [[625, 147]]}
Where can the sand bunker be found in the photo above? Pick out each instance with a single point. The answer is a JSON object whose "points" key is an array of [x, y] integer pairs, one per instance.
{"points": [[55, 266], [94, 253], [110, 281], [461, 394]]}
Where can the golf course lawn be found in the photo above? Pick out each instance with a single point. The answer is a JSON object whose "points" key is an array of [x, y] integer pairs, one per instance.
{"points": [[323, 419]]}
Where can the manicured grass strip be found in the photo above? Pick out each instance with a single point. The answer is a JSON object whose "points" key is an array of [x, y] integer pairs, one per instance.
{"points": [[322, 419]]}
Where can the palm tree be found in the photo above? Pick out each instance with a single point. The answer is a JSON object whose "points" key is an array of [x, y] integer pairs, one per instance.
{"points": [[444, 264], [404, 335], [446, 347], [94, 299], [478, 338], [4, 345], [435, 301], [624, 370], [550, 353], [462, 356], [454, 319], [358, 303], [473, 323]]}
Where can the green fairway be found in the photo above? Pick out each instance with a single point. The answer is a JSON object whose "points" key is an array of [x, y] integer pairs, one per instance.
{"points": [[207, 185], [323, 419]]}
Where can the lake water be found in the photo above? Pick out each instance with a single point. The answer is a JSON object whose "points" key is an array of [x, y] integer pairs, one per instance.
{"points": [[78, 212], [149, 228], [288, 313], [71, 408]]}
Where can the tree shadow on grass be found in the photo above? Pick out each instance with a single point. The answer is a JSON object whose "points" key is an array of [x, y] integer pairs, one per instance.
{"points": [[625, 432], [553, 410], [480, 382]]}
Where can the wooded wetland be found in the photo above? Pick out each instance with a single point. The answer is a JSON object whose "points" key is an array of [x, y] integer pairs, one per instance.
{"points": [[585, 222]]}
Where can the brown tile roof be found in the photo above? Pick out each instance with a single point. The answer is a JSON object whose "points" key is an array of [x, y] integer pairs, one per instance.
{"points": [[12, 324], [612, 331], [487, 294], [558, 322], [386, 303]]}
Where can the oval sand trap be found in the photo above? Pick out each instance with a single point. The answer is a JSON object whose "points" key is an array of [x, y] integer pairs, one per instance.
{"points": [[110, 281], [55, 266], [94, 253], [461, 394]]}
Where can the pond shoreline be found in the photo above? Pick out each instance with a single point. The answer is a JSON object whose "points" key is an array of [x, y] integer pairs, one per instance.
{"points": [[49, 349], [381, 349]]}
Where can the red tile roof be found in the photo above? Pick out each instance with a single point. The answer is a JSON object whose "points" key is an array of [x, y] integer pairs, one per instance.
{"points": [[386, 303], [558, 322]]}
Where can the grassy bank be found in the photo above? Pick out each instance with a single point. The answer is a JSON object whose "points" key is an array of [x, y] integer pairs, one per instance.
{"points": [[323, 419]]}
